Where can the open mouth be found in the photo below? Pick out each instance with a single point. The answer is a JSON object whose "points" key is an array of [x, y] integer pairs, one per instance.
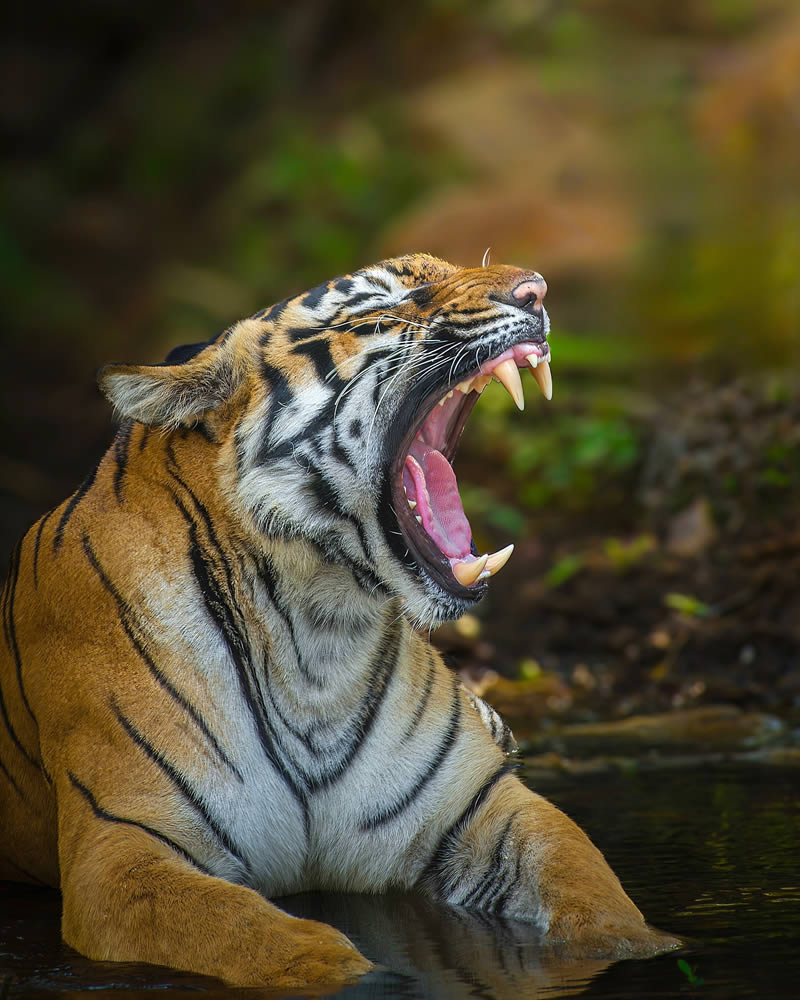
{"points": [[426, 500]]}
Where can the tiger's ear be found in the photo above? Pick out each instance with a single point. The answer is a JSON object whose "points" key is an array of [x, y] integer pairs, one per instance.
{"points": [[173, 395]]}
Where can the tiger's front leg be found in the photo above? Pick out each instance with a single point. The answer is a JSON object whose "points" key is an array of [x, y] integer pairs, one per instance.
{"points": [[520, 857], [129, 896]]}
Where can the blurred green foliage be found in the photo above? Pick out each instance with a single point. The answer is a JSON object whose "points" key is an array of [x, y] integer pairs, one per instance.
{"points": [[688, 605]]}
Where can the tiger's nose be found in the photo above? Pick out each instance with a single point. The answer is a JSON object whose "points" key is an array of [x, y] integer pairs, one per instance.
{"points": [[530, 292]]}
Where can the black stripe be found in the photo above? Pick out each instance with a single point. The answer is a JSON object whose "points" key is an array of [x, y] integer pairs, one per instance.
{"points": [[306, 737], [272, 313], [445, 747], [42, 522], [280, 396], [319, 353], [297, 334], [10, 628], [337, 449], [202, 511], [101, 813], [313, 297], [366, 328], [13, 733], [10, 777], [356, 300], [327, 497], [269, 578], [205, 432], [222, 614], [401, 269], [179, 781], [499, 903], [145, 437], [381, 670], [434, 874], [73, 502], [422, 704], [422, 295], [126, 620], [332, 551], [378, 282], [494, 873], [121, 445], [321, 422]]}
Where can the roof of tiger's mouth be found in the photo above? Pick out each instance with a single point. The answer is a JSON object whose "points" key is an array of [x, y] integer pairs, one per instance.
{"points": [[425, 494]]}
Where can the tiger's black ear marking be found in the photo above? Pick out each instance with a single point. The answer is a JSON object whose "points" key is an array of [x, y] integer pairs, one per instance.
{"points": [[180, 355], [190, 382]]}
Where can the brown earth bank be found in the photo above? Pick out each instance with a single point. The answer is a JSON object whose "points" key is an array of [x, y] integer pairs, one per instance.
{"points": [[679, 588]]}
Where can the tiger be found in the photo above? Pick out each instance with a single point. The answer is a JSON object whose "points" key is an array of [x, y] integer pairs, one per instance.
{"points": [[216, 680]]}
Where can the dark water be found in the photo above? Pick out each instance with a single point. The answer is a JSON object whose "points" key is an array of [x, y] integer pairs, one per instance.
{"points": [[711, 853]]}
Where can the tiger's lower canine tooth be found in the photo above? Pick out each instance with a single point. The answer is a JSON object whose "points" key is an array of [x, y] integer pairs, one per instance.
{"points": [[468, 572], [543, 377], [508, 373], [497, 560]]}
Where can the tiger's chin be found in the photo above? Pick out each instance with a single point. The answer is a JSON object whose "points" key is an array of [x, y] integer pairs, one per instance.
{"points": [[424, 490]]}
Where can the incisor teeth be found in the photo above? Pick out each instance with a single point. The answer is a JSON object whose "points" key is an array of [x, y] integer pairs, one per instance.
{"points": [[508, 373], [543, 377], [475, 384], [497, 560], [419, 518], [532, 359], [412, 503], [468, 572]]}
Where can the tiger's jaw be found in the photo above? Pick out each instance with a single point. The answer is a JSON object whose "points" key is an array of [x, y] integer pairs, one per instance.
{"points": [[425, 496]]}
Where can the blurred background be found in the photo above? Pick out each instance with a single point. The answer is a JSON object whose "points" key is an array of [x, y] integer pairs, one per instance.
{"points": [[168, 170]]}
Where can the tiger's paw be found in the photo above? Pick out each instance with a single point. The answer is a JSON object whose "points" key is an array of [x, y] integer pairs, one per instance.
{"points": [[316, 955], [621, 932]]}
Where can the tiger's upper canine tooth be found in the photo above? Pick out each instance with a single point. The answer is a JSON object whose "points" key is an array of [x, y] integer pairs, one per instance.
{"points": [[468, 572], [543, 377], [497, 560], [508, 373]]}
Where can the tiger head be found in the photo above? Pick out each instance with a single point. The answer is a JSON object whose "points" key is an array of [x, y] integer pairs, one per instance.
{"points": [[336, 414]]}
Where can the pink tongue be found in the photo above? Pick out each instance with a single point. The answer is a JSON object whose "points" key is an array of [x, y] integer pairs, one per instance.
{"points": [[438, 504]]}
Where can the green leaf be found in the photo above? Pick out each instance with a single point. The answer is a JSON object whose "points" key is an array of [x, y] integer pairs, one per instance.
{"points": [[688, 605], [564, 570]]}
